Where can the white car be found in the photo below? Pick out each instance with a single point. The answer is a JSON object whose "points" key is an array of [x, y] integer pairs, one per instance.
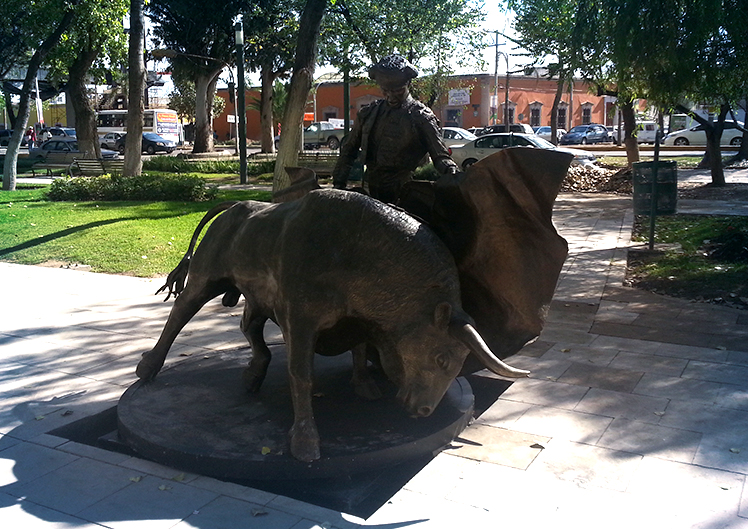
{"points": [[483, 146], [545, 133], [109, 140], [696, 135], [456, 136]]}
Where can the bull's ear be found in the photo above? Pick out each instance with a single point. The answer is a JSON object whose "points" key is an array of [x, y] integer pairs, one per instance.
{"points": [[442, 314]]}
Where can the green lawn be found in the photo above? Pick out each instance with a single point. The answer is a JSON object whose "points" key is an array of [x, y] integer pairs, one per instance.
{"points": [[136, 238]]}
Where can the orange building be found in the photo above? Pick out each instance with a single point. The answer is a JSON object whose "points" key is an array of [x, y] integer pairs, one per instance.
{"points": [[471, 102]]}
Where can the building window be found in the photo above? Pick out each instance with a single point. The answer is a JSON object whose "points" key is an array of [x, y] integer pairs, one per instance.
{"points": [[562, 118], [535, 114], [586, 114]]}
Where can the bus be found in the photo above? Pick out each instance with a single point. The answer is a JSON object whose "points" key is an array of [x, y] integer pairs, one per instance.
{"points": [[162, 121]]}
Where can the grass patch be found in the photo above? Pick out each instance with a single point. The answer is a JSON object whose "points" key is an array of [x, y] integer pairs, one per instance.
{"points": [[712, 264], [135, 238]]}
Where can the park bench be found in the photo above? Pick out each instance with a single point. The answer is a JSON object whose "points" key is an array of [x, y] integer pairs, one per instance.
{"points": [[95, 166], [54, 162], [321, 163]]}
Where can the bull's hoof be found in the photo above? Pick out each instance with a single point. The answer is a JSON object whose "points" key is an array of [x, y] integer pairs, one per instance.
{"points": [[252, 381], [147, 371], [305, 445]]}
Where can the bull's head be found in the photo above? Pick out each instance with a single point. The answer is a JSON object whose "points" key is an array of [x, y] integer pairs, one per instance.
{"points": [[431, 357]]}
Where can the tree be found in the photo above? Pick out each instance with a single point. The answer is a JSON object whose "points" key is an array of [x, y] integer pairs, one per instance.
{"points": [[204, 42], [301, 83], [133, 163], [269, 47], [279, 98], [59, 16], [92, 46], [182, 99]]}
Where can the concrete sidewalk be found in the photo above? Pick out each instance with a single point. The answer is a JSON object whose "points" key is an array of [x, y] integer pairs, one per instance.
{"points": [[636, 414]]}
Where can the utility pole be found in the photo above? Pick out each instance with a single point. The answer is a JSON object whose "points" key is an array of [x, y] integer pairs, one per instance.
{"points": [[242, 125]]}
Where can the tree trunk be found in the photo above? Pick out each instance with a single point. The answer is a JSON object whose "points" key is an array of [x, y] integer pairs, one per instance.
{"points": [[205, 86], [629, 126], [554, 109], [267, 138], [301, 83], [713, 154], [133, 164], [10, 166], [77, 95], [9, 109]]}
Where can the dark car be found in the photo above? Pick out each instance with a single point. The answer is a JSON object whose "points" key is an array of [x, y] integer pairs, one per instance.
{"points": [[5, 135], [66, 149], [152, 143], [584, 134]]}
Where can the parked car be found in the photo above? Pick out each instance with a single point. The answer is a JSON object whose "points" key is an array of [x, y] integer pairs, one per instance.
{"points": [[152, 143], [524, 128], [731, 135], [5, 135], [65, 146], [475, 130], [456, 136], [483, 146], [109, 140], [545, 133], [584, 134], [64, 132], [646, 132]]}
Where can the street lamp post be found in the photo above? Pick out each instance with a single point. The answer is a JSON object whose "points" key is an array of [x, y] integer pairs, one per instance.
{"points": [[242, 125], [506, 85]]}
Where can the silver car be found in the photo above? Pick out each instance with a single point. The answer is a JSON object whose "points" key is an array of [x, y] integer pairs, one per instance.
{"points": [[545, 133], [484, 146], [109, 140], [456, 136]]}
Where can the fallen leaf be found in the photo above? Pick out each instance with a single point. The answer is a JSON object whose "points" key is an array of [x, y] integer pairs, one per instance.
{"points": [[67, 413], [659, 413], [735, 450], [258, 512], [722, 348], [565, 350], [537, 446], [164, 487], [136, 479], [185, 354], [265, 450], [39, 417], [179, 477]]}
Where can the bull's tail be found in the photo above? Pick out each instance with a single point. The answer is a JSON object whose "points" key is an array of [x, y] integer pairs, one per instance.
{"points": [[177, 277]]}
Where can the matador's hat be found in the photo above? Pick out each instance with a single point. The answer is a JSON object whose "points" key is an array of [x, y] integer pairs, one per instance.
{"points": [[393, 72]]}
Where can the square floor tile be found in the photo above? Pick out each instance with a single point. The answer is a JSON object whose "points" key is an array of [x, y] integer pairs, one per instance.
{"points": [[651, 440]]}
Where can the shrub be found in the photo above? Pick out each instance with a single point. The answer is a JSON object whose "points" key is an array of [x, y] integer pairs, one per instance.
{"points": [[173, 164], [187, 188]]}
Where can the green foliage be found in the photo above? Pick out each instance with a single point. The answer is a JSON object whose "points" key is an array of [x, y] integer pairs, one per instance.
{"points": [[713, 263], [426, 172], [430, 34], [144, 187], [179, 165]]}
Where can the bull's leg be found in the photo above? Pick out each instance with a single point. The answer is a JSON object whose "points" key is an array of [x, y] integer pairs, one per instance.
{"points": [[363, 383], [303, 434], [189, 302], [253, 327]]}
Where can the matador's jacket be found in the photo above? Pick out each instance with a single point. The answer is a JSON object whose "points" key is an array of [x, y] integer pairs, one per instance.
{"points": [[391, 143]]}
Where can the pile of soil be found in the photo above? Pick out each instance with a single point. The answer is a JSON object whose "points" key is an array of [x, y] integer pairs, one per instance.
{"points": [[597, 179]]}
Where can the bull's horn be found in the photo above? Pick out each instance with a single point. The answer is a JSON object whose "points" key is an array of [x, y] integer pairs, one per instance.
{"points": [[467, 334]]}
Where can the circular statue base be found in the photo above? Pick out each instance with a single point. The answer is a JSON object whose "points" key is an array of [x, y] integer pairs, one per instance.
{"points": [[196, 416]]}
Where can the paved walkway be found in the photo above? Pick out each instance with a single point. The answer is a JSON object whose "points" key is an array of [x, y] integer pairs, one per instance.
{"points": [[636, 414]]}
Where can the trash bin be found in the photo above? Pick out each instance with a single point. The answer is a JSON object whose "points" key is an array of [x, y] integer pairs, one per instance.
{"points": [[666, 188]]}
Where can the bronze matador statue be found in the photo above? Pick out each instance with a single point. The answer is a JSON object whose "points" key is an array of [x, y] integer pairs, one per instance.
{"points": [[392, 135]]}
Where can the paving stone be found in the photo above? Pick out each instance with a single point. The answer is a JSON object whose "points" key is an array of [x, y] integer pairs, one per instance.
{"points": [[73, 487], [580, 353], [623, 405], [710, 419], [723, 456], [724, 373], [734, 397], [25, 462], [309, 511], [601, 377], [233, 490], [155, 469], [705, 354], [737, 357], [545, 393], [617, 343], [503, 413], [559, 332], [586, 466], [564, 424], [648, 363], [230, 512], [497, 445], [32, 516], [651, 440], [429, 513], [695, 492], [542, 368], [684, 389], [150, 503], [536, 348], [442, 474]]}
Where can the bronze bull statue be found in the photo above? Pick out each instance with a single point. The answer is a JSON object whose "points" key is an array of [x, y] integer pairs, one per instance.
{"points": [[333, 269]]}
